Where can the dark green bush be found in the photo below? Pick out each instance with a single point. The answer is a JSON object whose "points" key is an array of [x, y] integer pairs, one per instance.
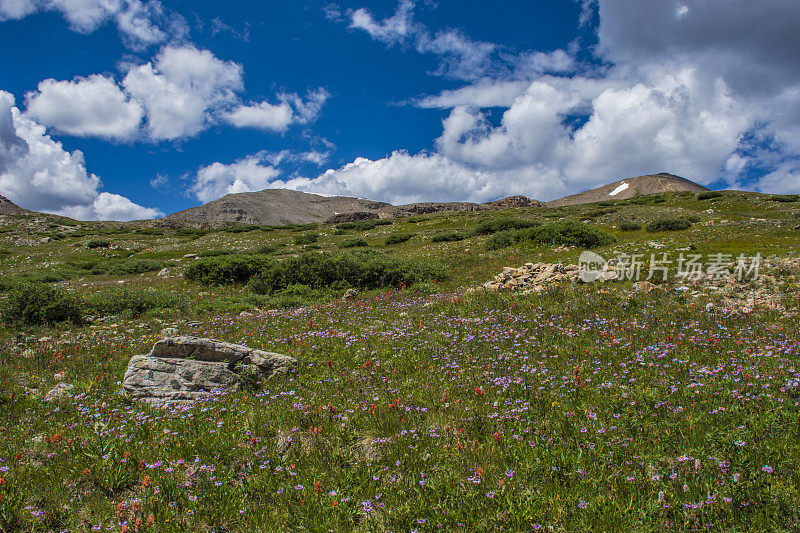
{"points": [[308, 238], [503, 239], [785, 198], [152, 231], [630, 226], [133, 302], [569, 233], [691, 218], [134, 266], [355, 242], [234, 268], [305, 227], [708, 195], [669, 224], [240, 229], [487, 227], [214, 253], [449, 236], [363, 225], [270, 248], [398, 238], [35, 304], [98, 243], [365, 268]]}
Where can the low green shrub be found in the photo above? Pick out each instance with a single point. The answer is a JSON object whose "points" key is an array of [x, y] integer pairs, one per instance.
{"points": [[98, 243], [305, 227], [151, 231], [37, 304], [308, 238], [691, 218], [487, 227], [240, 229], [563, 233], [708, 195], [133, 266], [133, 302], [449, 236], [503, 239], [323, 271], [354, 242], [398, 238], [569, 233], [785, 198], [669, 224], [630, 226], [233, 268], [363, 225], [214, 253]]}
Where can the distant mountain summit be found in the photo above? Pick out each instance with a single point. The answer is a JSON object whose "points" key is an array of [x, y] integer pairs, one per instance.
{"points": [[275, 207], [285, 206], [630, 188], [7, 207]]}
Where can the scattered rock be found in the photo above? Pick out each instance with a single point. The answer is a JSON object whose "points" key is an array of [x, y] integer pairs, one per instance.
{"points": [[349, 294], [531, 277], [61, 390], [644, 286]]}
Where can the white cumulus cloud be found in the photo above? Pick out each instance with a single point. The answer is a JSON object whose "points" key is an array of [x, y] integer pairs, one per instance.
{"points": [[183, 90], [37, 173], [85, 107], [140, 23]]}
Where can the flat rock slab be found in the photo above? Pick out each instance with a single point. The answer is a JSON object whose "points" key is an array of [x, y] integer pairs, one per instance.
{"points": [[211, 350], [174, 379]]}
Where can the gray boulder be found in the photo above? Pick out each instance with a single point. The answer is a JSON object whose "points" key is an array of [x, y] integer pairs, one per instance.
{"points": [[188, 368], [176, 379]]}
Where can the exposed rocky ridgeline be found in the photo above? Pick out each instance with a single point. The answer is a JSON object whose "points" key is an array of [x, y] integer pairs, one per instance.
{"points": [[284, 206], [630, 188], [192, 368]]}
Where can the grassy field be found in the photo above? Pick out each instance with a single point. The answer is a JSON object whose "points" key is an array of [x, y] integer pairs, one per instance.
{"points": [[426, 407]]}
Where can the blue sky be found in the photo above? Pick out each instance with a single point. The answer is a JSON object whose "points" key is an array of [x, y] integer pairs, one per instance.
{"points": [[124, 109]]}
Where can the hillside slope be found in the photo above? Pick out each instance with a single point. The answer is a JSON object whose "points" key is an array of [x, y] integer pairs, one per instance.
{"points": [[7, 207], [630, 188]]}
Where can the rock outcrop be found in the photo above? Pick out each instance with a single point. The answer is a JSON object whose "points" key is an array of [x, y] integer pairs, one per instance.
{"points": [[190, 368]]}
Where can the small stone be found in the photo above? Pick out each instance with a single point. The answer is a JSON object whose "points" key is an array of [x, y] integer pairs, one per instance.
{"points": [[350, 294], [61, 390]]}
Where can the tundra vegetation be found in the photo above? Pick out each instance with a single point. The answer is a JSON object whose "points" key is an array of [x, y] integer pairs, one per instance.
{"points": [[418, 403]]}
